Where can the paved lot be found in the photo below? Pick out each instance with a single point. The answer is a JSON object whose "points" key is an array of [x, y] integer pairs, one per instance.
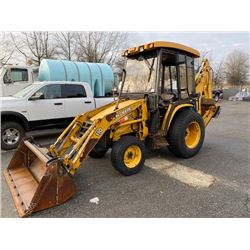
{"points": [[154, 192]]}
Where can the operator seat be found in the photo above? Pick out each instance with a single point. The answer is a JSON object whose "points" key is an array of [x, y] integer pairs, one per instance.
{"points": [[167, 96]]}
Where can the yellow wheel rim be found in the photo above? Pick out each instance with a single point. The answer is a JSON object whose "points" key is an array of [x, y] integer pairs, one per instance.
{"points": [[132, 156], [193, 134]]}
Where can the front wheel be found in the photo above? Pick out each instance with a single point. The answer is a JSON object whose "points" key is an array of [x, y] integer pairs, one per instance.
{"points": [[11, 134], [186, 134], [128, 155]]}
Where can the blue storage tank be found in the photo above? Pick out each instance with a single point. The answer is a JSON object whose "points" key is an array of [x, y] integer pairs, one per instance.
{"points": [[99, 75]]}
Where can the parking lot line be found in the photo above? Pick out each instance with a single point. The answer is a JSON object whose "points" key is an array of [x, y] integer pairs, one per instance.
{"points": [[187, 175]]}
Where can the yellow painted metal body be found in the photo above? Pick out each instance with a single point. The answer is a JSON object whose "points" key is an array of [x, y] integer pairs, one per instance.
{"points": [[162, 44], [204, 81], [193, 135], [130, 117], [171, 111], [204, 84], [86, 130], [132, 156]]}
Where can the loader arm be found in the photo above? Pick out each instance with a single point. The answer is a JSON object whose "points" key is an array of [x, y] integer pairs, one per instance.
{"points": [[39, 178], [85, 131], [203, 87]]}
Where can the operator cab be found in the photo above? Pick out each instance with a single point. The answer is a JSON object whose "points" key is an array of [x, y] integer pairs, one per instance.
{"points": [[161, 72]]}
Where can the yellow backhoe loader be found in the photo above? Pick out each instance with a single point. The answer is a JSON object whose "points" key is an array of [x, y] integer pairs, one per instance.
{"points": [[162, 102]]}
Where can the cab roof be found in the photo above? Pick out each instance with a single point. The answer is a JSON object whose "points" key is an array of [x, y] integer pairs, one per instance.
{"points": [[162, 44]]}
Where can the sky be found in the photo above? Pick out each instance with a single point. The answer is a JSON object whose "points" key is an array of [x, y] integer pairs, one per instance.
{"points": [[218, 44]]}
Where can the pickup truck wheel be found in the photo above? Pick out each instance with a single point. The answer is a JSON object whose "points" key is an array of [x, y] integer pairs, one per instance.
{"points": [[128, 155], [186, 134], [11, 134]]}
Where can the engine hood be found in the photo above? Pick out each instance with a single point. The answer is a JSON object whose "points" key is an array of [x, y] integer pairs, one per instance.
{"points": [[7, 98], [10, 103]]}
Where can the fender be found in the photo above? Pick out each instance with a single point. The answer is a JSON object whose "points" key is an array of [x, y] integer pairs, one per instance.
{"points": [[20, 117], [172, 109]]}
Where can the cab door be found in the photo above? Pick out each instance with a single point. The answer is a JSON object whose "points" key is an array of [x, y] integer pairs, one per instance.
{"points": [[15, 79], [185, 72], [77, 100], [47, 104]]}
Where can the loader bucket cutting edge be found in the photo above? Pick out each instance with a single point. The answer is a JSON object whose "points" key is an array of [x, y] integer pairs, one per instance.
{"points": [[36, 181]]}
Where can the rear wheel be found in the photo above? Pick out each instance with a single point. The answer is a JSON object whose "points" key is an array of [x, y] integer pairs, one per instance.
{"points": [[186, 134], [11, 135], [128, 155]]}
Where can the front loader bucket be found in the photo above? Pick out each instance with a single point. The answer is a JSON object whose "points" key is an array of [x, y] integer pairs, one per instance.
{"points": [[37, 181]]}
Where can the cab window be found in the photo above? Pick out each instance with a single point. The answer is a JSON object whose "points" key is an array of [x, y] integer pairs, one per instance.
{"points": [[74, 91], [177, 75], [190, 74], [49, 92], [185, 75], [169, 74], [16, 75]]}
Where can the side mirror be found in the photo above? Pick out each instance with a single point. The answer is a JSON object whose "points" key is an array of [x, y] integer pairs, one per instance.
{"points": [[7, 79], [37, 96], [115, 89]]}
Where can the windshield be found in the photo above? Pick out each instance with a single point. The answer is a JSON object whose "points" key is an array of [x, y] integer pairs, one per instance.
{"points": [[141, 74], [25, 91]]}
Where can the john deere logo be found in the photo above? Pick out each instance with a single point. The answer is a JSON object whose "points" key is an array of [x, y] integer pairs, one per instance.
{"points": [[123, 112], [98, 131]]}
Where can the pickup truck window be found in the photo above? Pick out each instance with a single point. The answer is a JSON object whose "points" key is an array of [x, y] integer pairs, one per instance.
{"points": [[74, 91], [52, 91]]}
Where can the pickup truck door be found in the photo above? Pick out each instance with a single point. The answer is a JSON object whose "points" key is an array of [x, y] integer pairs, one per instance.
{"points": [[77, 99], [49, 106], [14, 80]]}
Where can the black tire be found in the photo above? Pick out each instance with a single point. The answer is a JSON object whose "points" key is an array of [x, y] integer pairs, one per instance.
{"points": [[11, 126], [118, 153], [97, 154], [177, 133]]}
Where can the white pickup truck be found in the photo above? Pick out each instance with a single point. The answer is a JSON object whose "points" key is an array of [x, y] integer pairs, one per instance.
{"points": [[44, 105]]}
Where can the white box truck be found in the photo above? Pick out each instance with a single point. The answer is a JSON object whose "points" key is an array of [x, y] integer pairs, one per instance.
{"points": [[15, 77]]}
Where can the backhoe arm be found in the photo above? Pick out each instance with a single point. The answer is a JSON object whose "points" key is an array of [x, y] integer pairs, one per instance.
{"points": [[203, 80], [204, 88]]}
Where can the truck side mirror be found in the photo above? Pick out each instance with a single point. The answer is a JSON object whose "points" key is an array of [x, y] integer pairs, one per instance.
{"points": [[8, 81], [115, 90], [36, 96], [7, 77]]}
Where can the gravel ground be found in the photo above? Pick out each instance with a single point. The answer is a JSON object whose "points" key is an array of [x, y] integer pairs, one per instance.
{"points": [[155, 193]]}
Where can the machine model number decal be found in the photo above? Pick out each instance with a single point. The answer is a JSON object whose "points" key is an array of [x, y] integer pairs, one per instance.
{"points": [[123, 112], [98, 131]]}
